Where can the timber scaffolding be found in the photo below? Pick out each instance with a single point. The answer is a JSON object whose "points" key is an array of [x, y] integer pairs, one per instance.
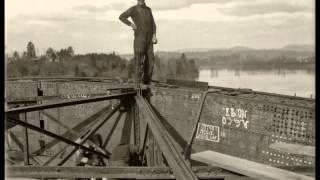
{"points": [[178, 160]]}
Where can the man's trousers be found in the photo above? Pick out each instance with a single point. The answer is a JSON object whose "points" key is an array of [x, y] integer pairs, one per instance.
{"points": [[143, 57]]}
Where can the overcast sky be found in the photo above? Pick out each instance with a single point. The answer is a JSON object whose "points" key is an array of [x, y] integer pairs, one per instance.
{"points": [[93, 25]]}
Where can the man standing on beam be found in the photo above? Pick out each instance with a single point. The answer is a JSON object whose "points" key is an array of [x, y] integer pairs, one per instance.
{"points": [[144, 29]]}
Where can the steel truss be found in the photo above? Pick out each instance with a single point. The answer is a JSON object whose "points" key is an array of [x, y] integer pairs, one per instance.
{"points": [[130, 101], [201, 172]]}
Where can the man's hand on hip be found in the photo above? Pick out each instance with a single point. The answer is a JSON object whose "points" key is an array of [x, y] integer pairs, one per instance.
{"points": [[154, 39], [134, 27]]}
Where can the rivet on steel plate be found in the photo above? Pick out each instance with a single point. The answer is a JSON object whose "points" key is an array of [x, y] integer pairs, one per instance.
{"points": [[209, 170], [195, 170]]}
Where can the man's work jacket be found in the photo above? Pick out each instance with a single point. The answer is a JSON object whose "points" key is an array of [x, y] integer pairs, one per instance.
{"points": [[142, 17]]}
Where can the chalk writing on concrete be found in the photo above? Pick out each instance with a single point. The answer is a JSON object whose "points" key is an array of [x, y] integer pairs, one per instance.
{"points": [[235, 116], [208, 132]]}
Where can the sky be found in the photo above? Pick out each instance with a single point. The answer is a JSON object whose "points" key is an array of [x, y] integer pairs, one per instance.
{"points": [[93, 26]]}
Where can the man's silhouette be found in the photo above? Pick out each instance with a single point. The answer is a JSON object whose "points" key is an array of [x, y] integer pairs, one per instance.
{"points": [[144, 37]]}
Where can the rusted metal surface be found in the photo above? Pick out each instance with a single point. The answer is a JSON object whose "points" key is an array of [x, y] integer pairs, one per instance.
{"points": [[174, 158], [114, 172]]}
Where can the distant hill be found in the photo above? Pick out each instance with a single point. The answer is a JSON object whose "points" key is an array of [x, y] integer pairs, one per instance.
{"points": [[299, 48], [241, 48], [126, 56], [235, 48], [230, 57], [290, 47], [194, 50]]}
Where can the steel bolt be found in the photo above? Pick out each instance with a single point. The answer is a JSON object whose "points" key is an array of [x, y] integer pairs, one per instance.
{"points": [[194, 169]]}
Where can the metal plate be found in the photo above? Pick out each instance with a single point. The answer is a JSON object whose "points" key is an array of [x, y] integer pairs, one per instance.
{"points": [[247, 124]]}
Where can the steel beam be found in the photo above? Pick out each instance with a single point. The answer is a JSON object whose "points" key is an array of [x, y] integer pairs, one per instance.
{"points": [[142, 148], [179, 166], [60, 78], [25, 142], [59, 152], [73, 132], [69, 103], [127, 126], [136, 125], [90, 132], [104, 145], [55, 156], [48, 133], [25, 101], [7, 145], [78, 127], [187, 150], [202, 172], [65, 147], [16, 140], [20, 145]]}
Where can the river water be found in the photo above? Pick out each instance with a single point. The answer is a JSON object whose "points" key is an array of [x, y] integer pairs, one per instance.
{"points": [[282, 81]]}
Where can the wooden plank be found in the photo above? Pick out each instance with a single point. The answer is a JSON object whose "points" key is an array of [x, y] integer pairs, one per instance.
{"points": [[246, 167], [299, 149]]}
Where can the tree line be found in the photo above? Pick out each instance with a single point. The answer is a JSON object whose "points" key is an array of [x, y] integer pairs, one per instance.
{"points": [[65, 62]]}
